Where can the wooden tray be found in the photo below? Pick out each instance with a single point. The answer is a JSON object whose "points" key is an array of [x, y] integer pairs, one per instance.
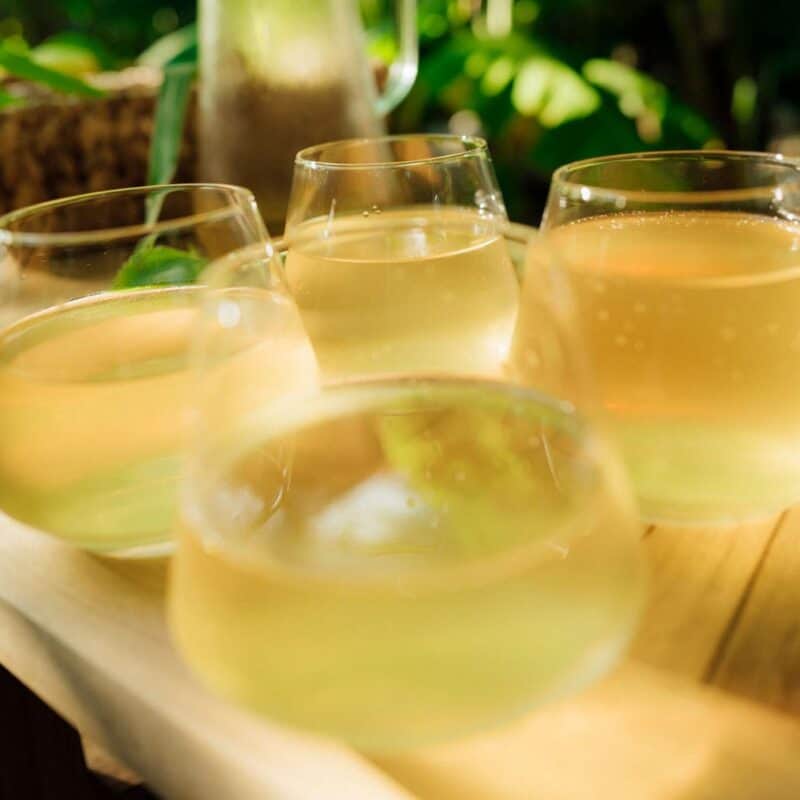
{"points": [[88, 636]]}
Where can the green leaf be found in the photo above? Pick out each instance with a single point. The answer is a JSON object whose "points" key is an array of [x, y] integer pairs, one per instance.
{"points": [[173, 98], [180, 45], [8, 99], [159, 266], [23, 66], [90, 44], [552, 92], [65, 57], [635, 91]]}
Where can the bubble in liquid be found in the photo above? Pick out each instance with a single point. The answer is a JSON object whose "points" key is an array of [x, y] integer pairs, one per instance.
{"points": [[621, 340], [639, 308], [727, 333], [638, 346], [365, 213], [603, 315]]}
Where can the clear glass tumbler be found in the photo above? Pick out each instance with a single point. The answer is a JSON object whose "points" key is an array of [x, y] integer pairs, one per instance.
{"points": [[684, 268], [97, 298], [397, 258]]}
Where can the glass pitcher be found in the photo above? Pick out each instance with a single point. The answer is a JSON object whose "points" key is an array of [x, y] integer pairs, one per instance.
{"points": [[280, 75]]}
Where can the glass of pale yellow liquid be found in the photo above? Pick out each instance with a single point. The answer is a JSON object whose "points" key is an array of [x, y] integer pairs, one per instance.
{"points": [[97, 298], [397, 259], [684, 269], [398, 558]]}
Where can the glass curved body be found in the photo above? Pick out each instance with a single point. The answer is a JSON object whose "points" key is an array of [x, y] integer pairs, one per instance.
{"points": [[96, 314], [397, 259], [685, 274], [297, 70], [401, 561]]}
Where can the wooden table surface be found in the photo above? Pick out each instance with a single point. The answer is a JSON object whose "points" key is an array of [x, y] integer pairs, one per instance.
{"points": [[707, 704]]}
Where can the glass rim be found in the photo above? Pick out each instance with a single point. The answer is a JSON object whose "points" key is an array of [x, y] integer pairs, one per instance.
{"points": [[373, 393], [61, 238], [563, 179], [473, 145]]}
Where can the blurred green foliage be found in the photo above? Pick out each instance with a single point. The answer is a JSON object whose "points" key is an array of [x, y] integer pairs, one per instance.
{"points": [[551, 81], [118, 29], [546, 81]]}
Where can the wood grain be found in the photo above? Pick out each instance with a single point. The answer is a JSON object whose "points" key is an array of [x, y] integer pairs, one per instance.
{"points": [[698, 576], [88, 635], [761, 656], [640, 735]]}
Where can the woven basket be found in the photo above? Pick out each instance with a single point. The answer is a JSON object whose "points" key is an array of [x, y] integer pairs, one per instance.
{"points": [[55, 146]]}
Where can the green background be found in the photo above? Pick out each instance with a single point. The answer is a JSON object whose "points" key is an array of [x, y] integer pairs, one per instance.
{"points": [[570, 79]]}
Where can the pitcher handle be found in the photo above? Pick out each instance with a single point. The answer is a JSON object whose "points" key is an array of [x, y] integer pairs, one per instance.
{"points": [[403, 70]]}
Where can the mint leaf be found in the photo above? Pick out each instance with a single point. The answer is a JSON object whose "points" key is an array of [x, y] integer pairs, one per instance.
{"points": [[159, 266]]}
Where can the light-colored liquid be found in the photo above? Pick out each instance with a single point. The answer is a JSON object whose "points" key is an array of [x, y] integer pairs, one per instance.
{"points": [[395, 563], [416, 290], [693, 330], [94, 413]]}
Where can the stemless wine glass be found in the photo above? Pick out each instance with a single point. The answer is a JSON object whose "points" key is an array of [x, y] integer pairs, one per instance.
{"points": [[96, 309], [397, 259], [685, 269], [396, 559]]}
